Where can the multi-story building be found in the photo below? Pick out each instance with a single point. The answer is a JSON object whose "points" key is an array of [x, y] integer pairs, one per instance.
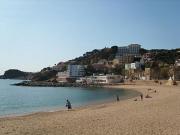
{"points": [[132, 49], [73, 72], [122, 51], [76, 71]]}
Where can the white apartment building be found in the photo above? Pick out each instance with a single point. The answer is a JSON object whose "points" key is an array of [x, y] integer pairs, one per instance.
{"points": [[73, 72], [104, 79], [76, 70], [135, 65]]}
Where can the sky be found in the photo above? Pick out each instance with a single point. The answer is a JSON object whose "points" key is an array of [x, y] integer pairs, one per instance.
{"points": [[38, 33]]}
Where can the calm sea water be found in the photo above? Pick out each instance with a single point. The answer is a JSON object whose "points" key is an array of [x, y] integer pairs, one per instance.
{"points": [[15, 100]]}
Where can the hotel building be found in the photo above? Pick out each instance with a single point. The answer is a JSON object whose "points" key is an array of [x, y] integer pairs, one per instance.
{"points": [[130, 50]]}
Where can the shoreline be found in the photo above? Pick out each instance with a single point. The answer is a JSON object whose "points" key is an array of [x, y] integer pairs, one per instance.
{"points": [[156, 115], [78, 107]]}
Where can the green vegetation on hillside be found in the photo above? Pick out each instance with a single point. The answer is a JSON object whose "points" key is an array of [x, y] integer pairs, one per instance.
{"points": [[165, 56], [44, 75], [161, 60], [96, 55]]}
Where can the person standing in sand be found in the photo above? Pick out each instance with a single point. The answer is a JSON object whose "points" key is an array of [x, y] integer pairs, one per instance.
{"points": [[141, 96], [117, 98]]}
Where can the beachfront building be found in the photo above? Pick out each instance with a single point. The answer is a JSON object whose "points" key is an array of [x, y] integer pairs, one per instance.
{"points": [[102, 79], [107, 79], [76, 71], [73, 72]]}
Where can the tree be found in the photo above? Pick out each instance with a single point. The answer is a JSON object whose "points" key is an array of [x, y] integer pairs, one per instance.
{"points": [[155, 70], [89, 70], [143, 51], [118, 69], [164, 73]]}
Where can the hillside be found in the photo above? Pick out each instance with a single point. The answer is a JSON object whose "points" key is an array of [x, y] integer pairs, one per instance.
{"points": [[95, 55], [163, 57]]}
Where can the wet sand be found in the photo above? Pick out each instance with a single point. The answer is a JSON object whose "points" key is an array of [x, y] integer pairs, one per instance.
{"points": [[159, 115]]}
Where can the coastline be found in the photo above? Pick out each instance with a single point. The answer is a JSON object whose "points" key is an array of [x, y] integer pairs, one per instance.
{"points": [[156, 115], [78, 107]]}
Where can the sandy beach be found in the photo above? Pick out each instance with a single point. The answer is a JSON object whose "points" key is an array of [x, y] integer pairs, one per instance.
{"points": [[159, 115]]}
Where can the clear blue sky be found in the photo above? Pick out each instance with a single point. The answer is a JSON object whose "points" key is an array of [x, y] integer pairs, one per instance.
{"points": [[39, 33]]}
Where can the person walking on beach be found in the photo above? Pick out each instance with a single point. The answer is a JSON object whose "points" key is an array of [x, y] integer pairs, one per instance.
{"points": [[68, 104], [117, 97], [141, 96]]}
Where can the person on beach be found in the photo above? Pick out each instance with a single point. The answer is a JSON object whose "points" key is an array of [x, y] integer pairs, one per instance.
{"points": [[68, 104], [141, 96], [117, 97], [147, 96]]}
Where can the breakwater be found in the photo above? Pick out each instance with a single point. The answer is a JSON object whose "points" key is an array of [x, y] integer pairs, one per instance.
{"points": [[56, 84]]}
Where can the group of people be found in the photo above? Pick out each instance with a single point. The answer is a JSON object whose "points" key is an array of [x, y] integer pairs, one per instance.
{"points": [[147, 96], [68, 103]]}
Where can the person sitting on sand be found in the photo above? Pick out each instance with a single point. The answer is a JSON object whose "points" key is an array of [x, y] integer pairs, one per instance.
{"points": [[68, 104], [147, 96]]}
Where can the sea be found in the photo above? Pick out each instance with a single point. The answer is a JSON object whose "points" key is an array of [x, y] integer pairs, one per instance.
{"points": [[20, 100]]}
